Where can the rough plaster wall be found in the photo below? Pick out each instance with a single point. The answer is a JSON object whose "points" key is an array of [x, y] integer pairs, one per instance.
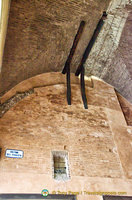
{"points": [[111, 56], [40, 35]]}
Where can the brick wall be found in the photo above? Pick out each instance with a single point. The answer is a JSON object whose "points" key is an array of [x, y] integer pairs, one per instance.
{"points": [[111, 56], [40, 35], [94, 139]]}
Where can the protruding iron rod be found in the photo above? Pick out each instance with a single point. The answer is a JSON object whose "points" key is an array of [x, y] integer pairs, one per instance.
{"points": [[91, 43], [84, 98], [69, 59], [68, 86], [72, 51]]}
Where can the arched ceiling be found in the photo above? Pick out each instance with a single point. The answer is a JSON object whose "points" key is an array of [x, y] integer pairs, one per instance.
{"points": [[41, 32], [111, 56]]}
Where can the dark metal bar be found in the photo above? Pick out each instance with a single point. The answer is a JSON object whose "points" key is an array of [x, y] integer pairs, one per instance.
{"points": [[69, 59], [72, 51], [91, 43], [36, 196], [68, 86], [84, 98]]}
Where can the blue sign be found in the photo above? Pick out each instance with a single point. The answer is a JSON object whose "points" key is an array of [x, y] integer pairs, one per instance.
{"points": [[11, 153]]}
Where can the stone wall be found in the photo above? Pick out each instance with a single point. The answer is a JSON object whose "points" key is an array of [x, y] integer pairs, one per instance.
{"points": [[111, 57], [98, 140]]}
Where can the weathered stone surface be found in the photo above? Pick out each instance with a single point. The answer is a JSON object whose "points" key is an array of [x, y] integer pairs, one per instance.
{"points": [[4, 107], [40, 35], [125, 46], [111, 56]]}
